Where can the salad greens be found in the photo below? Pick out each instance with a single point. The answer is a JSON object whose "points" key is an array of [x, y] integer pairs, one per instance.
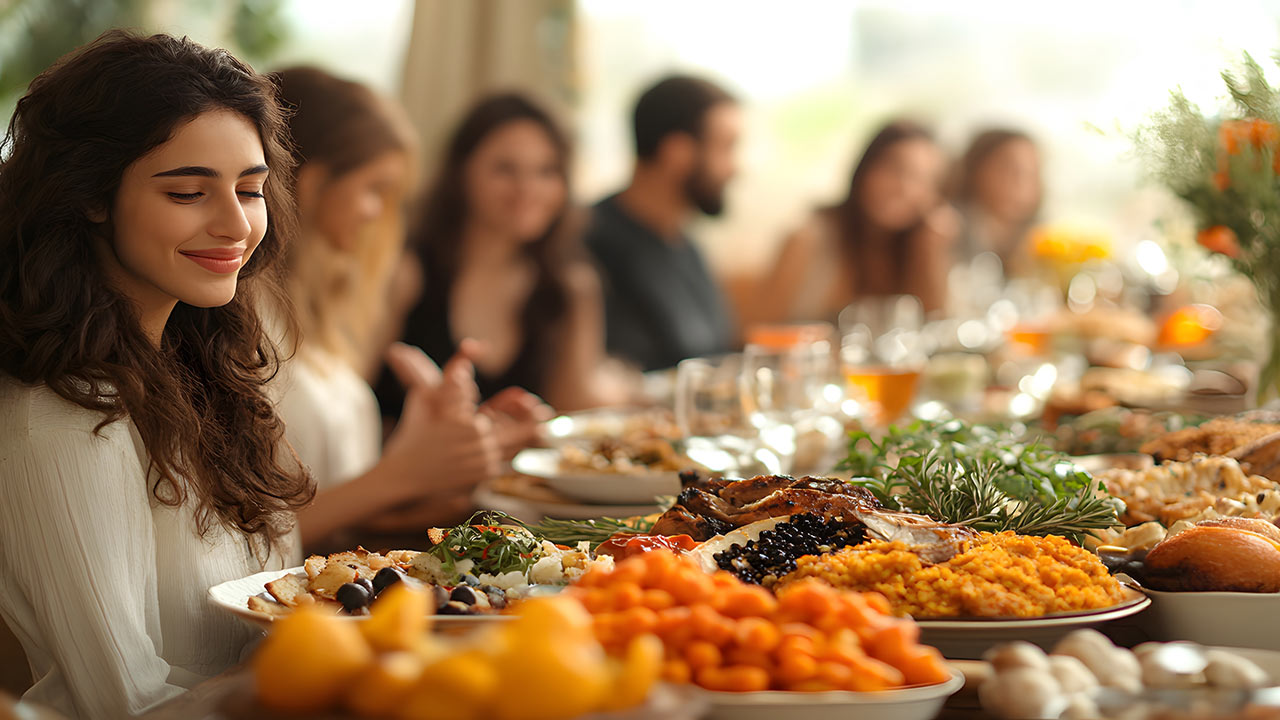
{"points": [[993, 479], [494, 549]]}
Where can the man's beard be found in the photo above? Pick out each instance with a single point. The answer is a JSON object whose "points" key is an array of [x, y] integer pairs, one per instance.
{"points": [[707, 197]]}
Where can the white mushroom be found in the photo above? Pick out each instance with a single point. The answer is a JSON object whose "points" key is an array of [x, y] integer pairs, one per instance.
{"points": [[1072, 674], [1019, 653], [1157, 673], [1231, 671], [1113, 666], [1023, 692]]}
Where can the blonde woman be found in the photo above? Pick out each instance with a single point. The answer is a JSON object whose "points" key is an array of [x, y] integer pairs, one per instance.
{"points": [[355, 156]]}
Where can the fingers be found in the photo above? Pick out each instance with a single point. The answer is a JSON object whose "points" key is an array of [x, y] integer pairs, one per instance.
{"points": [[458, 393], [412, 367], [519, 404]]}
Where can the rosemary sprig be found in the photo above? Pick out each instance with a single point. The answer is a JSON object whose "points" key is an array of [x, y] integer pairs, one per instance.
{"points": [[594, 531], [989, 478]]}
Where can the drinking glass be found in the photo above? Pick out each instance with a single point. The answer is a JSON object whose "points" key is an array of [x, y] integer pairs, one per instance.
{"points": [[708, 406], [882, 353]]}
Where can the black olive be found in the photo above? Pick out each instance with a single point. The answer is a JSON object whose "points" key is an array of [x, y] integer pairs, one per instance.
{"points": [[497, 599], [352, 596], [469, 579], [366, 584], [464, 594], [385, 578], [453, 607]]}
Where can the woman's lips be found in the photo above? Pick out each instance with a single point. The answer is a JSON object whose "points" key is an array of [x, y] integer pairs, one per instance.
{"points": [[217, 260]]}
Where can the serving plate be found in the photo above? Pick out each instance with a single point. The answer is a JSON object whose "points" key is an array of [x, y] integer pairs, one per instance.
{"points": [[913, 703], [532, 509], [1245, 620], [969, 638], [233, 597], [595, 487]]}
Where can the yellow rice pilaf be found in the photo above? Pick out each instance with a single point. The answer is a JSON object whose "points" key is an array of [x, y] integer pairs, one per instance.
{"points": [[1004, 575]]}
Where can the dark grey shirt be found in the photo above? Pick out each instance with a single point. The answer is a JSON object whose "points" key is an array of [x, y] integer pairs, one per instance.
{"points": [[661, 305]]}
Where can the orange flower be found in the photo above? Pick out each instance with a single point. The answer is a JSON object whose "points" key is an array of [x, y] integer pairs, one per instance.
{"points": [[1230, 133], [1262, 133], [1219, 239]]}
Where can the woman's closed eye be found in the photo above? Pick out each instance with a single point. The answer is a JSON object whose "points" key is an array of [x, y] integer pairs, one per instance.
{"points": [[193, 196]]}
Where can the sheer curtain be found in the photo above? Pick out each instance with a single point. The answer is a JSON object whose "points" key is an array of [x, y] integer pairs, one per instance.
{"points": [[459, 51]]}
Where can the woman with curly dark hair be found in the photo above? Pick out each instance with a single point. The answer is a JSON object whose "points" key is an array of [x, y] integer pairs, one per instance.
{"points": [[140, 457]]}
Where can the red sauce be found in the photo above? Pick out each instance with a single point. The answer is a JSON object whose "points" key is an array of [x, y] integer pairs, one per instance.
{"points": [[623, 545]]}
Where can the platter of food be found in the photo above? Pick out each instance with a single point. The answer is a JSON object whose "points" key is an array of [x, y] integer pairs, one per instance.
{"points": [[607, 472], [470, 573]]}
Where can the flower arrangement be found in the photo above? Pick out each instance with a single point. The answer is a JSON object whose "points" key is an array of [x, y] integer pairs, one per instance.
{"points": [[1226, 167]]}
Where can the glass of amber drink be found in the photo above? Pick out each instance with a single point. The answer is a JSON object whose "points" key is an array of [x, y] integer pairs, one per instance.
{"points": [[882, 354]]}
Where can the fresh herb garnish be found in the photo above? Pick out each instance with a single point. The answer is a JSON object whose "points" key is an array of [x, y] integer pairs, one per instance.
{"points": [[993, 479], [594, 531], [494, 549]]}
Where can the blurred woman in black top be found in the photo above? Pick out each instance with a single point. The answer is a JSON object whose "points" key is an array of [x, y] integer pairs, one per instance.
{"points": [[503, 263]]}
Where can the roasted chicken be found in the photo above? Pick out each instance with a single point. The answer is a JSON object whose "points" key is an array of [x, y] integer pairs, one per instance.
{"points": [[708, 507]]}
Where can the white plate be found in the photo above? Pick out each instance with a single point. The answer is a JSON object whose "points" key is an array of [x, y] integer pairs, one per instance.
{"points": [[1237, 619], [968, 639], [916, 703], [532, 510], [233, 597], [601, 423], [595, 486]]}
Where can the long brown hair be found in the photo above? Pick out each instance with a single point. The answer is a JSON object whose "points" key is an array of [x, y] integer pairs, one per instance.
{"points": [[198, 399], [342, 125], [851, 218], [439, 236]]}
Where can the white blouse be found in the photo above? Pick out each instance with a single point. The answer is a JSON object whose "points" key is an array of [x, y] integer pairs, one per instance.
{"points": [[106, 588], [331, 416]]}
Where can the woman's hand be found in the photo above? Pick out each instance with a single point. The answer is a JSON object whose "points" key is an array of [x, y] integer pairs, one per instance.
{"points": [[516, 414], [442, 444]]}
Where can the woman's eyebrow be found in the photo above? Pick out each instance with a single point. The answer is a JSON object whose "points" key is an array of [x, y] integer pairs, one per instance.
{"points": [[201, 171]]}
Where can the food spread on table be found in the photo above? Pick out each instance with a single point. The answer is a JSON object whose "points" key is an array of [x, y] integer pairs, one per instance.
{"points": [[786, 584]]}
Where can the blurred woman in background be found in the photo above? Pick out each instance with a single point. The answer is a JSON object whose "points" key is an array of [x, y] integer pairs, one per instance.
{"points": [[999, 191], [892, 234], [503, 264], [355, 153]]}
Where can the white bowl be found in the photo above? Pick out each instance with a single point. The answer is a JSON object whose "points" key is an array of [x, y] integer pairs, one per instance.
{"points": [[594, 486], [916, 703], [1245, 620]]}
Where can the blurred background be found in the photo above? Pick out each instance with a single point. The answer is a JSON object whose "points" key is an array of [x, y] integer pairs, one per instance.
{"points": [[816, 79]]}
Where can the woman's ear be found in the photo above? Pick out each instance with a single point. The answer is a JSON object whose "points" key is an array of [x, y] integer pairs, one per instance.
{"points": [[97, 214]]}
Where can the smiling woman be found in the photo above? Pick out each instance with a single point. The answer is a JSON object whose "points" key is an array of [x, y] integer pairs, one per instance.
{"points": [[140, 457]]}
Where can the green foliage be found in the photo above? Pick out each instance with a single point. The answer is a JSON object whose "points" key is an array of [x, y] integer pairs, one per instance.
{"points": [[35, 33], [993, 479], [1225, 168]]}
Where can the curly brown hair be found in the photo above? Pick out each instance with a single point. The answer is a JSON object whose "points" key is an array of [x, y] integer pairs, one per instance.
{"points": [[198, 400]]}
